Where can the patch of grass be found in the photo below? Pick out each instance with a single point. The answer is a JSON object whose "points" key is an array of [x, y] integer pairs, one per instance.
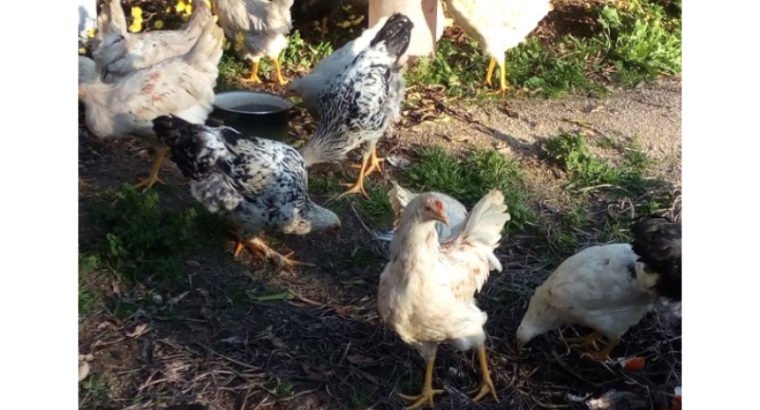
{"points": [[89, 300], [470, 178], [571, 151], [635, 40], [230, 69], [145, 239], [301, 56], [93, 391], [553, 69], [460, 67], [641, 39]]}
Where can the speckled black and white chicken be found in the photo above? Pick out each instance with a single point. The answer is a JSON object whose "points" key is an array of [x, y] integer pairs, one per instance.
{"points": [[320, 78], [182, 86], [117, 52], [259, 183], [257, 28], [362, 101], [609, 288], [427, 290], [498, 25]]}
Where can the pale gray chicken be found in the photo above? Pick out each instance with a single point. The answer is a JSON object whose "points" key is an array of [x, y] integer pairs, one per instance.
{"points": [[117, 52], [427, 290], [259, 183], [183, 86], [498, 25], [608, 288], [362, 102], [257, 28], [456, 213]]}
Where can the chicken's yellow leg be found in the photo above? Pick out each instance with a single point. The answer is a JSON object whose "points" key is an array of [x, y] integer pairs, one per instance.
{"points": [[256, 245], [152, 179], [486, 385], [278, 70], [375, 163], [603, 354], [491, 67], [254, 78], [584, 341], [426, 397], [358, 187], [503, 77]]}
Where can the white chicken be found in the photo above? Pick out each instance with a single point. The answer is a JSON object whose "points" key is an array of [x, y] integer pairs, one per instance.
{"points": [[183, 86], [498, 25], [427, 290], [117, 52], [310, 86], [455, 211], [608, 288], [257, 28]]}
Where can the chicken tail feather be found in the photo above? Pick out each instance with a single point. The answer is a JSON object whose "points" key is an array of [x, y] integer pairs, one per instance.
{"points": [[485, 222], [395, 33], [657, 242]]}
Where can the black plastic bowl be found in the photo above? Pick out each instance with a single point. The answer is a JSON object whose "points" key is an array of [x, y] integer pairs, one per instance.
{"points": [[253, 113]]}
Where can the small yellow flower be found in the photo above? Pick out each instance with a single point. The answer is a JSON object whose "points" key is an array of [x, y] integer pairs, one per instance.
{"points": [[180, 7], [168, 9], [137, 21], [82, 50], [91, 33], [158, 24], [189, 9], [135, 27]]}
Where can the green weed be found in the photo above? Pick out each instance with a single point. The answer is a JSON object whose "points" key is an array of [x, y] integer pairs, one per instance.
{"points": [[470, 178], [145, 240]]}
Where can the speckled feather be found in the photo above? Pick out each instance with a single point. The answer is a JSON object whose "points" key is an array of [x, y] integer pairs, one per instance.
{"points": [[364, 99], [260, 183], [657, 241]]}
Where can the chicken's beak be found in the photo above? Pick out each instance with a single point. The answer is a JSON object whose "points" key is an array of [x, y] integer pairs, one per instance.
{"points": [[441, 217]]}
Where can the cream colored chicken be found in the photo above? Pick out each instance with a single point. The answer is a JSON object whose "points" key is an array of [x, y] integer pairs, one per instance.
{"points": [[498, 25], [257, 28], [427, 290], [608, 288], [182, 86], [456, 213], [117, 52]]}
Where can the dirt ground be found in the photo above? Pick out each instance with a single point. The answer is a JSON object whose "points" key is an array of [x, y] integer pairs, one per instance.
{"points": [[237, 334]]}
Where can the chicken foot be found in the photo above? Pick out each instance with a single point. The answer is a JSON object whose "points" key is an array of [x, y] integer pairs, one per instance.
{"points": [[426, 397], [503, 87], [152, 178], [584, 341], [260, 249], [604, 354], [358, 187], [486, 385], [254, 78]]}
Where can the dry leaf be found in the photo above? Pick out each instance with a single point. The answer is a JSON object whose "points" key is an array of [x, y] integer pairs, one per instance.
{"points": [[84, 370], [140, 330]]}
